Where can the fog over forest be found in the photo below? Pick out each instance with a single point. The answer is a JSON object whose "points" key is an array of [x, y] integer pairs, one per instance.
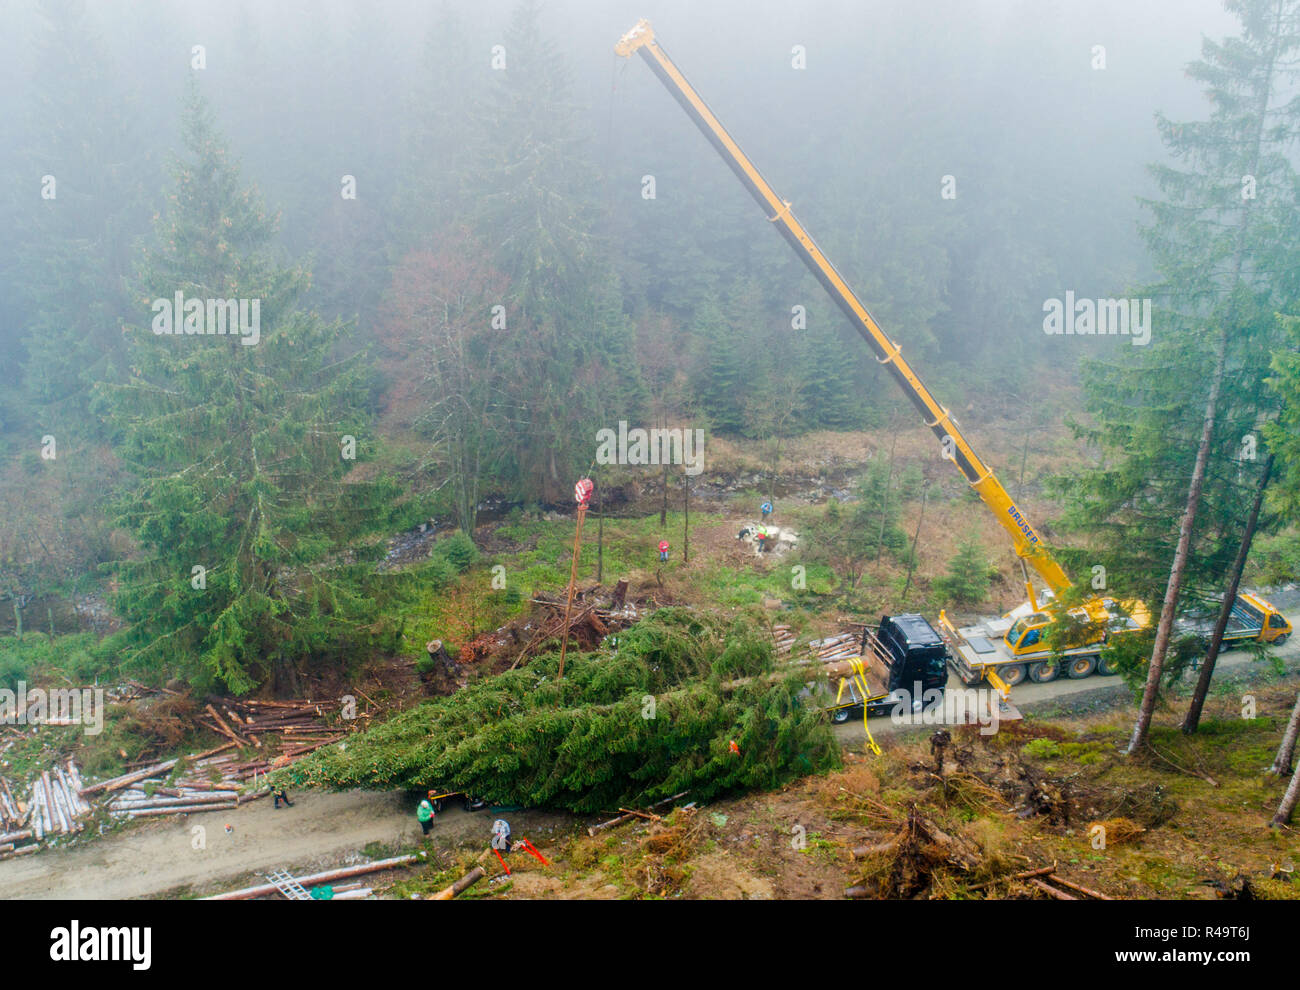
{"points": [[817, 449], [1049, 154]]}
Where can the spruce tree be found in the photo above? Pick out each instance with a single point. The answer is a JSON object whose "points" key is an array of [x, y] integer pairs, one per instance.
{"points": [[1169, 498], [239, 448], [1283, 436]]}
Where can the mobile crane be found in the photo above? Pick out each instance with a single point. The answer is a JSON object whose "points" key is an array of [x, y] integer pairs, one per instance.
{"points": [[1004, 650]]}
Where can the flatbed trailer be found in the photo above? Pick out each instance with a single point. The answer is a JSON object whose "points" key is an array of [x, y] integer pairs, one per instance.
{"points": [[1253, 620]]}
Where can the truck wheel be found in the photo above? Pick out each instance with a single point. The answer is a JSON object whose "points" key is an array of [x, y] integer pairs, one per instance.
{"points": [[1106, 668], [1012, 674], [1281, 639], [840, 716], [1082, 667], [1044, 671]]}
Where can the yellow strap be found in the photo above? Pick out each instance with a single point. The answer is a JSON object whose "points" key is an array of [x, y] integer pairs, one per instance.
{"points": [[871, 743], [859, 680]]}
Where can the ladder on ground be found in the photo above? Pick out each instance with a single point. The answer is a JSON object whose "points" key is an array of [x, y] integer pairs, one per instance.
{"points": [[288, 885]]}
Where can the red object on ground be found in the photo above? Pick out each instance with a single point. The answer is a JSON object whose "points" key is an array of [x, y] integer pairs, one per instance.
{"points": [[734, 748], [503, 860], [533, 849], [582, 491]]}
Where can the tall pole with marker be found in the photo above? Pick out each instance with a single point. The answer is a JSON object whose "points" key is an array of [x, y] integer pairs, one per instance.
{"points": [[582, 494]]}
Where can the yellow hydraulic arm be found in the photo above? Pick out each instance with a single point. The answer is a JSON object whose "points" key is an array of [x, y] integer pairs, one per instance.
{"points": [[1029, 545]]}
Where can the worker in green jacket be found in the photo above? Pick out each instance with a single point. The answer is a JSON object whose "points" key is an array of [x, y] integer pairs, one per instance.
{"points": [[425, 814]]}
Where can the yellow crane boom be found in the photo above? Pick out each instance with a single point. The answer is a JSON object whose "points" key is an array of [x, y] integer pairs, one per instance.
{"points": [[954, 445]]}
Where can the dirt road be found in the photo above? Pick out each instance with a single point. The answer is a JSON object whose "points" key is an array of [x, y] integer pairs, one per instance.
{"points": [[320, 831], [173, 854]]}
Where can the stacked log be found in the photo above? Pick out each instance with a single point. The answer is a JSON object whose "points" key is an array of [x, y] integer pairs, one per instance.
{"points": [[834, 648], [12, 811], [247, 722], [140, 804], [194, 789], [54, 806], [784, 639], [214, 780]]}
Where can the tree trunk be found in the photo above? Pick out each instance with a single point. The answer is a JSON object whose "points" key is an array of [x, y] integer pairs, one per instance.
{"points": [[600, 537], [663, 506], [18, 619], [884, 502], [1193, 717], [911, 560], [1287, 807], [1286, 752], [686, 522], [1142, 726], [1151, 692]]}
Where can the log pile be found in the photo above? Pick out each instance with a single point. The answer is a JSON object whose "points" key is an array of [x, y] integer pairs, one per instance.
{"points": [[296, 724], [12, 811], [832, 649], [56, 802], [54, 806], [216, 780], [784, 639], [843, 646]]}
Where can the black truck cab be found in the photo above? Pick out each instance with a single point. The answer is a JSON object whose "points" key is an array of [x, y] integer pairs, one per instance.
{"points": [[911, 651]]}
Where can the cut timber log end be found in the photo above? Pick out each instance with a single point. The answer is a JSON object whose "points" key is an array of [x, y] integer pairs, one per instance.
{"points": [[460, 886]]}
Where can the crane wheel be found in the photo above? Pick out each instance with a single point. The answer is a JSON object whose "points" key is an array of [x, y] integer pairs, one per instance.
{"points": [[1105, 668], [1082, 667], [1012, 674], [1044, 671]]}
